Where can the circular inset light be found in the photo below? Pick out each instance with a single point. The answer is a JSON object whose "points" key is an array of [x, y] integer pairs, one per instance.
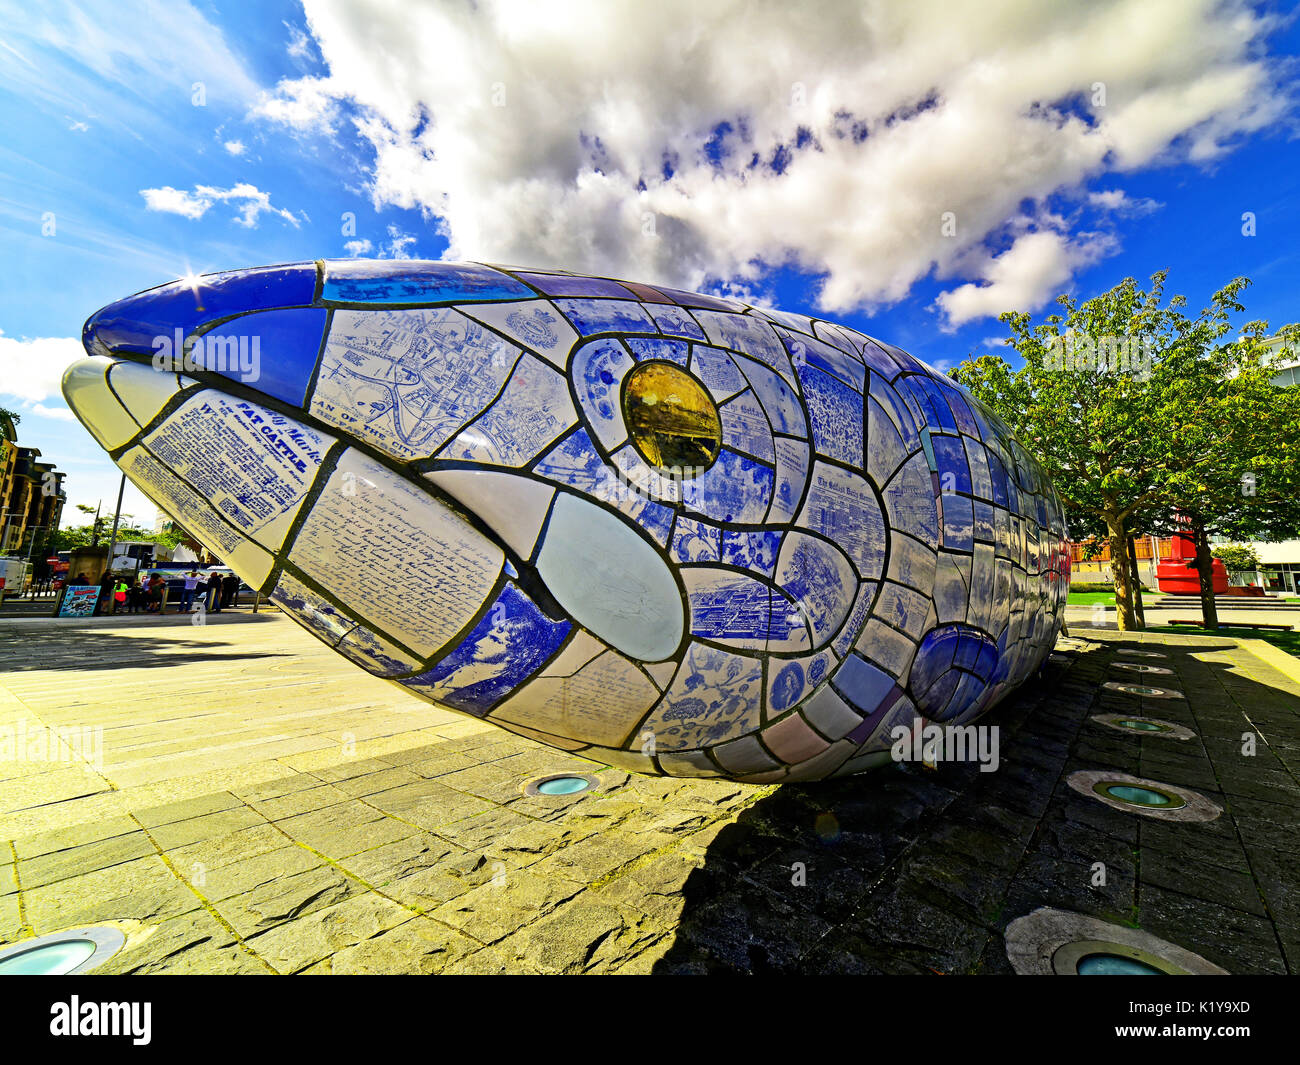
{"points": [[1152, 726], [1115, 965], [1138, 667], [1138, 796], [671, 418], [1051, 942], [559, 785], [1150, 798], [76, 951], [1142, 689]]}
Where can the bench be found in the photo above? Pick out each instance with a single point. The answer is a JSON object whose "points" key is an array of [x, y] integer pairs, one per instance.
{"points": [[1231, 624]]}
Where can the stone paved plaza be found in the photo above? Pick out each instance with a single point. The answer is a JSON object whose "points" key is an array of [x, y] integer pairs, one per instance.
{"points": [[260, 805]]}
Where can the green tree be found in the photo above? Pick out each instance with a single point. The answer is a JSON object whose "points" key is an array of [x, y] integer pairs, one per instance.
{"points": [[1120, 397], [1237, 558]]}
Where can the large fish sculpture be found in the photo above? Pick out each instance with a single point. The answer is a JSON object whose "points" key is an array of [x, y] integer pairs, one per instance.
{"points": [[670, 532]]}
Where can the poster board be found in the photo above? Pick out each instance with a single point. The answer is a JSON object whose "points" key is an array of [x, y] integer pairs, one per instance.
{"points": [[78, 601]]}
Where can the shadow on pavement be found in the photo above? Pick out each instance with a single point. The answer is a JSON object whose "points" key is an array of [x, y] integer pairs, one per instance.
{"points": [[912, 870]]}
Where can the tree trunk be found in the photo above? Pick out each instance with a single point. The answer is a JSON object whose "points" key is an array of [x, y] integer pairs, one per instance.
{"points": [[1205, 570], [1136, 581], [1120, 573]]}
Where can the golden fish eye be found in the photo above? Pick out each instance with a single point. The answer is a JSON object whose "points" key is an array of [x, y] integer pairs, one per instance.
{"points": [[671, 418]]}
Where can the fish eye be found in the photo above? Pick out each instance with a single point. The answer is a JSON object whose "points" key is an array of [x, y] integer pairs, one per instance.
{"points": [[671, 418]]}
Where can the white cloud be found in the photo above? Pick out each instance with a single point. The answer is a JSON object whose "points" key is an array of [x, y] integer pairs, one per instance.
{"points": [[31, 371], [235, 147], [79, 127], [550, 135], [251, 201], [1117, 201], [357, 248], [1025, 276]]}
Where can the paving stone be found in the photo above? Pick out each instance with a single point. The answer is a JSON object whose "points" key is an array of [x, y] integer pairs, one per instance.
{"points": [[286, 899], [292, 947], [492, 911], [416, 947]]}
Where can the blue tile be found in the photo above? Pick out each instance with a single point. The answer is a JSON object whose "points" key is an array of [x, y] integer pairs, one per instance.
{"points": [[510, 643], [835, 411], [643, 348], [286, 344], [606, 316], [863, 685], [135, 323]]}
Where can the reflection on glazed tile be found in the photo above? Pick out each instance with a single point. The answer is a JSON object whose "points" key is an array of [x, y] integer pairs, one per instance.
{"points": [[598, 371], [911, 562], [510, 643], [735, 489], [533, 410], [716, 696], [835, 411], [745, 428], [821, 581], [720, 375], [793, 740], [535, 325], [885, 448], [791, 473], [805, 351], [909, 500], [749, 336], [601, 703], [696, 541], [639, 474], [415, 281], [902, 607], [575, 285], [366, 517], [407, 381], [607, 316], [842, 507]]}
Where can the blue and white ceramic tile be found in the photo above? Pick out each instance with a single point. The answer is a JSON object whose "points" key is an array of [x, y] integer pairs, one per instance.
{"points": [[779, 400], [511, 642], [745, 428], [747, 549], [734, 489], [533, 410], [719, 373], [716, 696], [821, 581], [791, 475], [835, 412], [676, 321], [535, 326], [841, 506], [406, 382], [598, 370], [696, 541], [607, 316], [660, 348]]}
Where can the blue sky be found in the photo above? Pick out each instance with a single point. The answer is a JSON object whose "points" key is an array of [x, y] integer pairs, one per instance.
{"points": [[492, 135]]}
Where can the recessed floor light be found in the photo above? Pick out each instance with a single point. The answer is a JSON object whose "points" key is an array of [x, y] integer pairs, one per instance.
{"points": [[561, 784], [1051, 942], [61, 953], [1150, 798], [1140, 667], [1147, 726], [1144, 690]]}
